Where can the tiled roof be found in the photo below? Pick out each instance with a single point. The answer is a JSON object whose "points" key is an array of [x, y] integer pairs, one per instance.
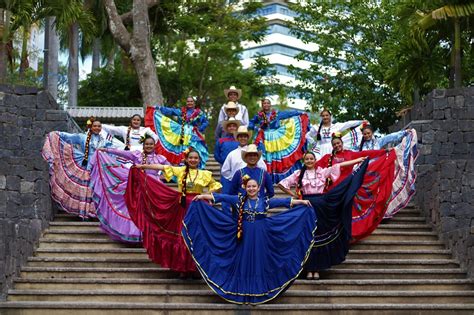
{"points": [[105, 112]]}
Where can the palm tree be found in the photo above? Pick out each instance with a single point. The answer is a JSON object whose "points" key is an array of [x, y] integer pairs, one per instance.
{"points": [[71, 18], [455, 12], [51, 62]]}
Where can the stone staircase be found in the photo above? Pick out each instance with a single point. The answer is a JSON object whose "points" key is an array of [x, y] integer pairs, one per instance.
{"points": [[402, 268]]}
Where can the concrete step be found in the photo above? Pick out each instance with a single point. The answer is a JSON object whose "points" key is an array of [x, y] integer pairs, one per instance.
{"points": [[160, 273], [120, 308], [384, 234], [119, 262], [398, 254], [124, 262], [399, 244], [88, 233], [91, 243], [433, 273], [141, 253], [94, 227], [97, 272], [399, 219], [405, 227], [397, 263], [65, 252], [196, 284], [207, 296]]}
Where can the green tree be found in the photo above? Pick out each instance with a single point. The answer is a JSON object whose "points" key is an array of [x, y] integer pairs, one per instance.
{"points": [[110, 87], [448, 17], [346, 77]]}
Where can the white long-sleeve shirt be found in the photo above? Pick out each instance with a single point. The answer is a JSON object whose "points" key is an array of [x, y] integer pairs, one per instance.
{"points": [[324, 146], [234, 162], [242, 115], [135, 135]]}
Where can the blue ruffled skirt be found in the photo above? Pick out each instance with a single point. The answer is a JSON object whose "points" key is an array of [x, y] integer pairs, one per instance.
{"points": [[254, 270]]}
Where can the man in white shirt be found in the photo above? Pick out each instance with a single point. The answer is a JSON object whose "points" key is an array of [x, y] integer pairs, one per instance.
{"points": [[233, 94], [234, 161]]}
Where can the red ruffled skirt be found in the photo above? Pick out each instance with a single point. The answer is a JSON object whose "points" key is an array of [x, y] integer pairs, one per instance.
{"points": [[156, 211], [370, 202]]}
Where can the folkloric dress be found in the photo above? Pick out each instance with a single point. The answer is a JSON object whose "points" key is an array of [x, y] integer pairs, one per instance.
{"points": [[281, 138], [69, 179], [351, 137], [133, 137], [224, 146], [232, 164], [266, 259], [157, 211], [378, 143], [175, 137], [370, 202], [109, 179], [403, 186], [333, 210]]}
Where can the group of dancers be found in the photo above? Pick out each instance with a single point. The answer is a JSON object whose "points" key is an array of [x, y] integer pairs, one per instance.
{"points": [[341, 182]]}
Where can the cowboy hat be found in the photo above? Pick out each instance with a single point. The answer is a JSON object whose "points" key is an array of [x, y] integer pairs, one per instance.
{"points": [[231, 120], [251, 148], [233, 89], [231, 105], [242, 130]]}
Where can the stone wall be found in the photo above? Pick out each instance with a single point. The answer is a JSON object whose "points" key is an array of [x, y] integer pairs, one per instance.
{"points": [[444, 121], [26, 116]]}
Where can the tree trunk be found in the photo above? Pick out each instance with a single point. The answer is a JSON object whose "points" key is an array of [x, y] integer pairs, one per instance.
{"points": [[137, 46], [47, 35], [3, 45], [73, 65], [24, 64], [416, 95], [96, 54], [111, 59], [51, 63], [457, 54]]}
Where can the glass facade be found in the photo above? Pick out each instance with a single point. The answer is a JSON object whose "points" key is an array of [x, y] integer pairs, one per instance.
{"points": [[274, 9], [270, 49]]}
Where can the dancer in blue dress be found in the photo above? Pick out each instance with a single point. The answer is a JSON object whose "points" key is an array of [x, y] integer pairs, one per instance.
{"points": [[189, 114], [249, 258], [281, 137]]}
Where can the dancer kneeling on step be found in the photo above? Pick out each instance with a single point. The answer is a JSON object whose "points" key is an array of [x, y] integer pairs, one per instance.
{"points": [[158, 210], [332, 209], [249, 257]]}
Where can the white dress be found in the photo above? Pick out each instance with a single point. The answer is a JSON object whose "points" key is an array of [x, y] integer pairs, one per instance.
{"points": [[322, 147], [135, 135]]}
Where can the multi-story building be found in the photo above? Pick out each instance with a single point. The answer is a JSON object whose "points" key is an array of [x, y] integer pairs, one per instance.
{"points": [[280, 48]]}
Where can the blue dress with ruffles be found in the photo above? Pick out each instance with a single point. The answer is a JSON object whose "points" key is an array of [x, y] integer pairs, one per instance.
{"points": [[264, 262]]}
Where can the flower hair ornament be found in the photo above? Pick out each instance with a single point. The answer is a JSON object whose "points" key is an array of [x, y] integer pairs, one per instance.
{"points": [[89, 122], [245, 180], [336, 135]]}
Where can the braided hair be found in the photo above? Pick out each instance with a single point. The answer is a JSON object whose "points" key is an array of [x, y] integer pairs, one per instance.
{"points": [[242, 200], [299, 184], [318, 135], [88, 140], [127, 140], [331, 159], [362, 128], [185, 176]]}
